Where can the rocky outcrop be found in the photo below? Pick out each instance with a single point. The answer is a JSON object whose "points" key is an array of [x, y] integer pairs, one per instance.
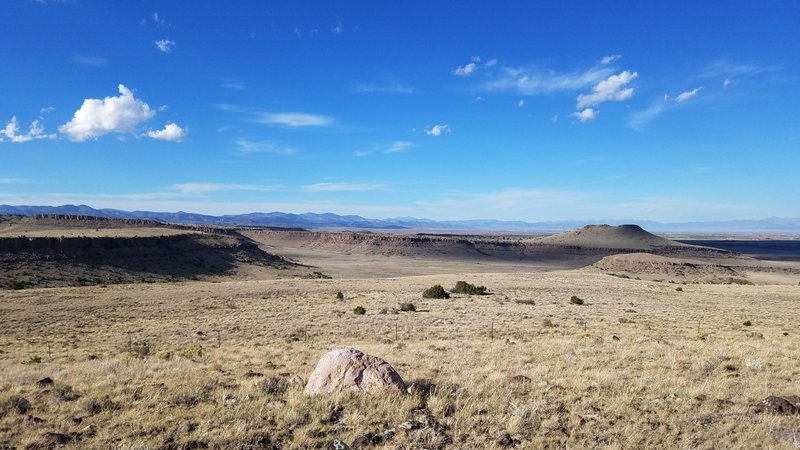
{"points": [[350, 369]]}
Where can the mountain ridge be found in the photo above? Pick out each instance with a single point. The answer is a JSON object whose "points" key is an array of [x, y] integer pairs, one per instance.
{"points": [[331, 220]]}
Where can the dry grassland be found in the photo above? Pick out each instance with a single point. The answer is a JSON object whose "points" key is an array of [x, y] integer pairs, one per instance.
{"points": [[164, 366]]}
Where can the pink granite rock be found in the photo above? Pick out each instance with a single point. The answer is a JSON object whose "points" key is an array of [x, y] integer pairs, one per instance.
{"points": [[350, 369]]}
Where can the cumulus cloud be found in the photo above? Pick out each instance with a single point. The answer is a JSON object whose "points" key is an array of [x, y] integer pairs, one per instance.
{"points": [[171, 132], [165, 45], [609, 89], [587, 115], [605, 60], [97, 117], [291, 119], [437, 130], [465, 70], [688, 94], [35, 131]]}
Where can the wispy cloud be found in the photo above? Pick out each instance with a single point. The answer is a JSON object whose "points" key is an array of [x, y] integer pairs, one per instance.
{"points": [[640, 118], [398, 146], [464, 70], [247, 146], [89, 60], [12, 181], [337, 28], [205, 188], [534, 81], [165, 45], [731, 69], [366, 88], [234, 84], [437, 130], [683, 96], [342, 187], [611, 89], [605, 60], [293, 119]]}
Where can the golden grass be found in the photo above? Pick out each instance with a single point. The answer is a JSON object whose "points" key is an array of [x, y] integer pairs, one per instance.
{"points": [[640, 365]]}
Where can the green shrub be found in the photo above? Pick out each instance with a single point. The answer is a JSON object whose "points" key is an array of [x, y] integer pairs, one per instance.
{"points": [[164, 355], [339, 296], [359, 311], [192, 352], [679, 289], [747, 323], [408, 307], [525, 302], [34, 359], [462, 287], [436, 291], [15, 285], [575, 300]]}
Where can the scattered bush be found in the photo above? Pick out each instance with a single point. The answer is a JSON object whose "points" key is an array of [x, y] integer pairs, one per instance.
{"points": [[525, 302], [547, 323], [339, 296], [436, 291], [274, 386], [164, 355], [408, 307], [575, 300], [462, 287], [192, 352], [359, 311], [747, 323], [34, 359], [138, 350], [14, 403], [16, 285], [679, 289]]}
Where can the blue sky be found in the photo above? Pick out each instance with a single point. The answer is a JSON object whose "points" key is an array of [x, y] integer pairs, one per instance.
{"points": [[669, 111]]}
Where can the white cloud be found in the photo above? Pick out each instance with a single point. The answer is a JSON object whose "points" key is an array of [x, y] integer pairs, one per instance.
{"points": [[97, 117], [235, 85], [688, 94], [365, 88], [342, 187], [727, 83], [202, 188], [165, 45], [398, 146], [437, 130], [534, 81], [520, 103], [35, 131], [47, 110], [609, 89], [247, 146], [587, 115], [338, 28], [171, 132], [464, 70], [291, 119], [609, 59], [89, 60], [158, 19], [490, 63], [640, 118]]}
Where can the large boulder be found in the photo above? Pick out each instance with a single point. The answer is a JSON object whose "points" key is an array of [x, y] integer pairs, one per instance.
{"points": [[350, 369]]}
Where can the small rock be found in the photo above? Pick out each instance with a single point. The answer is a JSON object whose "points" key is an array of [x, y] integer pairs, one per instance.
{"points": [[335, 414], [410, 425], [51, 439], [44, 382], [251, 374], [76, 420], [558, 433], [20, 404], [777, 405], [31, 420], [614, 338], [506, 440], [336, 444], [364, 440]]}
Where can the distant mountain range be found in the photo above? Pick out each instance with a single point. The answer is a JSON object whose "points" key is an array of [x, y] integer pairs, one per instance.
{"points": [[329, 220]]}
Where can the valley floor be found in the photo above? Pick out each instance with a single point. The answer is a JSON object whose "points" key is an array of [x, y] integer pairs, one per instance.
{"points": [[641, 364]]}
